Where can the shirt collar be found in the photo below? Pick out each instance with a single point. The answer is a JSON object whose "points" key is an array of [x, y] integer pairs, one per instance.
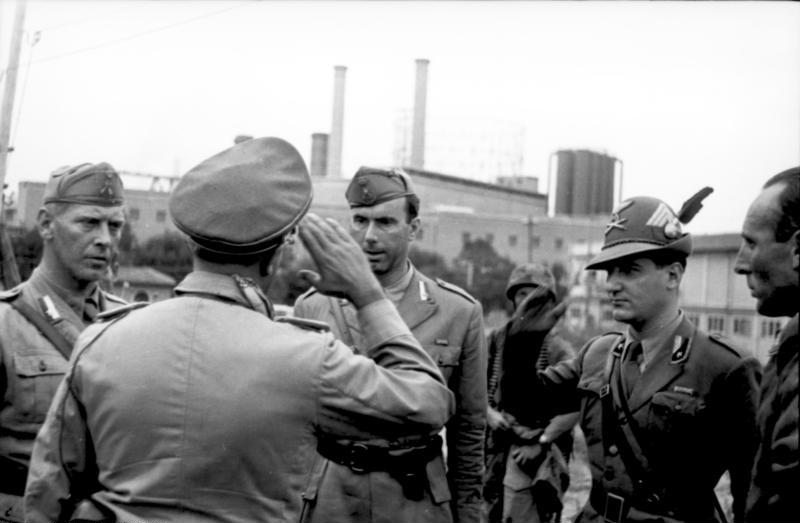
{"points": [[396, 290], [651, 343]]}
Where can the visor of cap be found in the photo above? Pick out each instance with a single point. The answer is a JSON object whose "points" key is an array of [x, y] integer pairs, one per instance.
{"points": [[245, 199], [626, 249]]}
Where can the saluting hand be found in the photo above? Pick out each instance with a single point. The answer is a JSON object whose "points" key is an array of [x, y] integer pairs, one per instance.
{"points": [[342, 268]]}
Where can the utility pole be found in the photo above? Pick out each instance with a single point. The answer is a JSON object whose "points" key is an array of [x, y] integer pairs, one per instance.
{"points": [[8, 266]]}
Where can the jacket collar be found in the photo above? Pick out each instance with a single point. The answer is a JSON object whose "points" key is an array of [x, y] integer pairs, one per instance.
{"points": [[419, 302], [221, 286]]}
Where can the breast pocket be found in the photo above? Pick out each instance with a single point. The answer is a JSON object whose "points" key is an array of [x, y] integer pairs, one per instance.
{"points": [[37, 378], [591, 412], [446, 357], [676, 414]]}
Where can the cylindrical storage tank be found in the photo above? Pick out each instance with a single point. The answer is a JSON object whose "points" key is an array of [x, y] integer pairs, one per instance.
{"points": [[603, 193], [582, 180], [319, 154], [564, 181]]}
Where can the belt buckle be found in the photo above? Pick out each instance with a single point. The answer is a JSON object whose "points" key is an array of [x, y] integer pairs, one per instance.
{"points": [[615, 507], [353, 457]]}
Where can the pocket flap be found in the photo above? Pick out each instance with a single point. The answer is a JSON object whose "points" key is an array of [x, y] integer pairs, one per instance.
{"points": [[590, 384], [40, 364], [444, 355], [678, 402]]}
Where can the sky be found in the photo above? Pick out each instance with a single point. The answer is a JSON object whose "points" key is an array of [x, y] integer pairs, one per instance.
{"points": [[685, 94]]}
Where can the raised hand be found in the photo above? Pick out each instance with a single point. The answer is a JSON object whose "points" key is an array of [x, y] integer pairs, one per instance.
{"points": [[342, 268], [538, 313]]}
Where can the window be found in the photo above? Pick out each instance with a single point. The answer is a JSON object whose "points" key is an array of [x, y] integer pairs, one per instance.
{"points": [[716, 324], [489, 238], [742, 326], [512, 240], [535, 241], [694, 318], [770, 328], [465, 238], [161, 216], [559, 243], [133, 213], [575, 312], [419, 233]]}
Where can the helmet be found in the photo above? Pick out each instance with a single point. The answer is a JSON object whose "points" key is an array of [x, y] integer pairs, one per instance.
{"points": [[530, 274], [642, 225]]}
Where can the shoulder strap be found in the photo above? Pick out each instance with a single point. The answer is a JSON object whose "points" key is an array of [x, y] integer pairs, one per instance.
{"points": [[45, 327], [338, 315]]}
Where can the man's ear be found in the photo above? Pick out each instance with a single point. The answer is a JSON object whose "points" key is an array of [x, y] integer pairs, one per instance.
{"points": [[674, 275], [44, 223], [796, 250], [415, 226]]}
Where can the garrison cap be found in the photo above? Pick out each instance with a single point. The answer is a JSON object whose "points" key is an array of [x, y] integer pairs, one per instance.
{"points": [[641, 225], [245, 199], [85, 184], [371, 186], [530, 274]]}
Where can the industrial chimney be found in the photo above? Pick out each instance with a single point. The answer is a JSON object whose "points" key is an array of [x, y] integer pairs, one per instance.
{"points": [[418, 129], [337, 125], [319, 154]]}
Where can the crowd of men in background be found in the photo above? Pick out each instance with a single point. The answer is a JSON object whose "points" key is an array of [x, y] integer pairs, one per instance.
{"points": [[381, 400]]}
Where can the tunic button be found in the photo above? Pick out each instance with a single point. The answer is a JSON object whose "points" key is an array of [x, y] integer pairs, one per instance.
{"points": [[42, 366], [613, 450]]}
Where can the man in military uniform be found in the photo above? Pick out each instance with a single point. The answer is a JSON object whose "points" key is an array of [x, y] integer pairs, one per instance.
{"points": [[80, 224], [770, 260], [201, 408], [515, 418], [448, 323], [666, 408]]}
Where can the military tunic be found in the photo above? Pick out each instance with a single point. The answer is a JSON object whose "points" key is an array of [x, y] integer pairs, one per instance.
{"points": [[776, 474], [693, 410], [448, 324], [198, 408]]}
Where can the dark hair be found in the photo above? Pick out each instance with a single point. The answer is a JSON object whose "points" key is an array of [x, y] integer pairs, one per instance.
{"points": [[788, 201], [412, 207], [664, 258]]}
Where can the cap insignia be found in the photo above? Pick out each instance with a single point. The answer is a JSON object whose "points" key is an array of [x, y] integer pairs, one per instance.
{"points": [[108, 186], [664, 218], [366, 195], [617, 222]]}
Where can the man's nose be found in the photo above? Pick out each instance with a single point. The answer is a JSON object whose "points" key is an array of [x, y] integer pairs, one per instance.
{"points": [[742, 263], [103, 236]]}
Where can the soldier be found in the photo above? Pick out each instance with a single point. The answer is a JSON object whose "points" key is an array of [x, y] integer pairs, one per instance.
{"points": [[448, 323], [770, 259], [201, 407], [515, 419], [666, 408], [80, 223]]}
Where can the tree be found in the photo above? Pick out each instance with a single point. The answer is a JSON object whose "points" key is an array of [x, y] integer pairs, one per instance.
{"points": [[27, 246], [167, 252], [484, 273]]}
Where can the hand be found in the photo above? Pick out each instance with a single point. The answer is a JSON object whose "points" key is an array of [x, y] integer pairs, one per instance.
{"points": [[559, 425], [537, 314], [496, 419], [343, 270], [528, 457]]}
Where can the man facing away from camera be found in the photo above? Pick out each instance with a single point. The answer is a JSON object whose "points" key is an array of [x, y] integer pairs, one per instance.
{"points": [[406, 478]]}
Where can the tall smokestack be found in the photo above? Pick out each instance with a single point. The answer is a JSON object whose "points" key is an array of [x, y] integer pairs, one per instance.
{"points": [[319, 154], [418, 129], [337, 125]]}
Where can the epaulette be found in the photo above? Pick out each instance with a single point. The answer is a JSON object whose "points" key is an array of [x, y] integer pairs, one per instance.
{"points": [[722, 341], [114, 298], [310, 292], [119, 312], [455, 289], [303, 323], [10, 294]]}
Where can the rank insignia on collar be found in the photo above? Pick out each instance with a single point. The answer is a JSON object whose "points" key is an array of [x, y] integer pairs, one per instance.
{"points": [[680, 350], [618, 348], [423, 292], [49, 309]]}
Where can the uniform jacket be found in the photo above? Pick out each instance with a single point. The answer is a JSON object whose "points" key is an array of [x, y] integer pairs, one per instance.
{"points": [[30, 366], [694, 407], [198, 408], [773, 495], [449, 325]]}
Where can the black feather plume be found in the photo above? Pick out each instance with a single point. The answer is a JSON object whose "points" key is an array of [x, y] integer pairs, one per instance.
{"points": [[693, 205]]}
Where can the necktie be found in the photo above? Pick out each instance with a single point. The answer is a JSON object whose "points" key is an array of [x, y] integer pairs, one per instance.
{"points": [[90, 309], [630, 367]]}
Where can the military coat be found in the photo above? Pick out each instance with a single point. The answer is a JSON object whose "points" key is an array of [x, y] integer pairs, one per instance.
{"points": [[199, 408], [776, 474], [694, 413], [448, 323]]}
